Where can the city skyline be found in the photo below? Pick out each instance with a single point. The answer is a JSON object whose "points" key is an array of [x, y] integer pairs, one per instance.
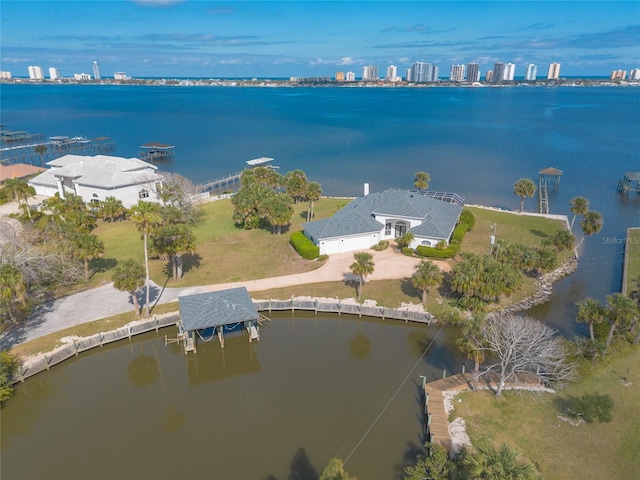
{"points": [[160, 38]]}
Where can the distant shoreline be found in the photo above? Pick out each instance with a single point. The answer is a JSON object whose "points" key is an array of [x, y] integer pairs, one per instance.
{"points": [[322, 82]]}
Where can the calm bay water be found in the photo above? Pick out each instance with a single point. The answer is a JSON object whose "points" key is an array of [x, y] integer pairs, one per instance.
{"points": [[288, 403]]}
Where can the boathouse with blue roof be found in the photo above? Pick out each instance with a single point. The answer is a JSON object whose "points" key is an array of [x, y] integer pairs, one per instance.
{"points": [[367, 220]]}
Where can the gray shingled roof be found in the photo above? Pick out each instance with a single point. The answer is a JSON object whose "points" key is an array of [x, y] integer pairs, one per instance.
{"points": [[212, 309], [438, 217]]}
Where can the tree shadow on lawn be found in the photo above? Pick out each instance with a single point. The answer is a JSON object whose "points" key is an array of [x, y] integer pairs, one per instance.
{"points": [[100, 265], [538, 233], [408, 289]]}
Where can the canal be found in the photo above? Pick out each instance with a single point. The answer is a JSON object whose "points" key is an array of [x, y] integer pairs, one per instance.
{"points": [[312, 389]]}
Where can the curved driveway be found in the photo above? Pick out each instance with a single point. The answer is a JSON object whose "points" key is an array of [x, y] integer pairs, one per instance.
{"points": [[106, 301]]}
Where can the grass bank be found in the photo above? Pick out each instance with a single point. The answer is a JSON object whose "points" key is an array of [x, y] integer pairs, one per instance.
{"points": [[632, 259], [529, 421]]}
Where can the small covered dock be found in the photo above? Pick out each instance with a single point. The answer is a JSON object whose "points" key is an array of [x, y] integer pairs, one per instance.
{"points": [[547, 176], [157, 152], [629, 183], [205, 315]]}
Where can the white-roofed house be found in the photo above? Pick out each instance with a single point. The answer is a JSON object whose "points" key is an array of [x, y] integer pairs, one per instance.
{"points": [[94, 178], [364, 222]]}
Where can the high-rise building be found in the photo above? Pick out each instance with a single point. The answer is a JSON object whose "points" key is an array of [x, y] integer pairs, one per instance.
{"points": [[5, 75], [618, 75], [554, 71], [634, 74], [392, 74], [422, 72], [457, 73], [498, 72], [489, 76], [370, 73], [351, 76], [510, 72], [36, 73], [532, 72], [473, 72], [122, 76], [339, 76], [54, 73], [96, 71]]}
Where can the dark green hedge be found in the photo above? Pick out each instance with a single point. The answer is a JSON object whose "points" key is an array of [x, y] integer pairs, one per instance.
{"points": [[468, 219], [305, 247], [433, 252]]}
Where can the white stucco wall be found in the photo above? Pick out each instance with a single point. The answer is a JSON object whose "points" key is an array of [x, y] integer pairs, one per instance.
{"points": [[348, 244], [129, 195]]}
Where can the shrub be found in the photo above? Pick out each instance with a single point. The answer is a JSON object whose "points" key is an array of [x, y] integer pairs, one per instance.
{"points": [[459, 232], [323, 257], [433, 252], [408, 251], [305, 247], [8, 366], [467, 218], [382, 245]]}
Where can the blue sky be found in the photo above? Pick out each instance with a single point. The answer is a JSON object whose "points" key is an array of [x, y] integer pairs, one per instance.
{"points": [[199, 38]]}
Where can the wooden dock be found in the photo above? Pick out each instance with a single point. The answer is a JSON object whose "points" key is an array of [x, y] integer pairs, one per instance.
{"points": [[436, 418]]}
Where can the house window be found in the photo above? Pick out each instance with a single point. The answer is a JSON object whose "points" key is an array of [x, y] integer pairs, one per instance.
{"points": [[426, 242], [387, 228], [144, 193]]}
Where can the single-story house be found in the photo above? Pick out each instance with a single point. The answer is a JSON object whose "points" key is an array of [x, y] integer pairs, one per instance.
{"points": [[18, 170], [367, 220], [94, 178]]}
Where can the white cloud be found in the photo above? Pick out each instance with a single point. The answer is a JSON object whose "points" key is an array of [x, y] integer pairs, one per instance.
{"points": [[157, 3], [346, 61]]}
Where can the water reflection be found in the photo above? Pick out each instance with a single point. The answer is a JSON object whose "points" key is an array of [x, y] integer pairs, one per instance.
{"points": [[301, 396], [360, 346], [173, 420], [143, 370]]}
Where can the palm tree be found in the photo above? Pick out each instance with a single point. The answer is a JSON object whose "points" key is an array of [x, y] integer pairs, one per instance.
{"points": [[591, 223], [313, 193], [41, 150], [129, 276], [147, 217], [277, 210], [361, 268], [174, 240], [405, 240], [422, 180], [579, 206], [524, 188], [13, 288], [19, 189], [295, 184], [591, 311], [621, 312], [87, 247], [471, 344], [488, 463], [112, 209], [427, 275]]}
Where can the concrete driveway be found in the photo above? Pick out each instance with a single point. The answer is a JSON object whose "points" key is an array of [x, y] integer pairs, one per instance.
{"points": [[106, 301]]}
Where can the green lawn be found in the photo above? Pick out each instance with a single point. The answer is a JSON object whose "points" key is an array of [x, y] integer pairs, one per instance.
{"points": [[224, 253], [526, 229], [633, 263], [529, 422]]}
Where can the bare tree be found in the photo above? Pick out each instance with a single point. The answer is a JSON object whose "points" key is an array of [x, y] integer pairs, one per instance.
{"points": [[179, 192], [524, 345]]}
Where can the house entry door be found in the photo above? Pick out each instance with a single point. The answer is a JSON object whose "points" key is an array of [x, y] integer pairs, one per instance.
{"points": [[401, 229]]}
